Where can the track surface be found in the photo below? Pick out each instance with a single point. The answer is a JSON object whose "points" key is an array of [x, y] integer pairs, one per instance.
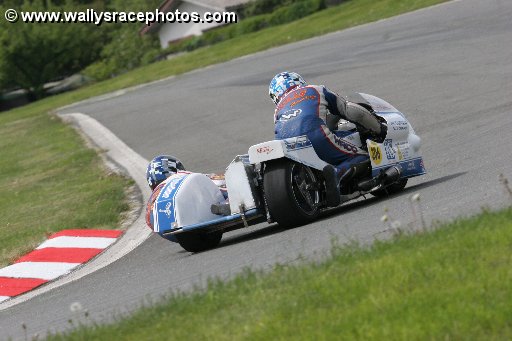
{"points": [[448, 67]]}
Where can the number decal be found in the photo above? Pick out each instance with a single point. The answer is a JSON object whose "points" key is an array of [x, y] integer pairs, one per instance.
{"points": [[375, 153]]}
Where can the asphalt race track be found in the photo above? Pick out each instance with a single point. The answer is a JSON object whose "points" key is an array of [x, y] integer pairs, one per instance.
{"points": [[448, 67]]}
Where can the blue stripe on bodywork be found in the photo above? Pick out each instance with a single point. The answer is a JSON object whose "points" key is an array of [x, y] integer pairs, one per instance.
{"points": [[410, 168], [166, 203]]}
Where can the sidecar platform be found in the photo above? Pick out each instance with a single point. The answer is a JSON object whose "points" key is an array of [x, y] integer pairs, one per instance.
{"points": [[228, 223]]}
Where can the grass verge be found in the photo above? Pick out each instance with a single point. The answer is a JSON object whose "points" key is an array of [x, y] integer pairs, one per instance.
{"points": [[50, 181], [450, 283]]}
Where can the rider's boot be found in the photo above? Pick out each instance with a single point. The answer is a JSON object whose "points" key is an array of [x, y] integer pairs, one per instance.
{"points": [[332, 189]]}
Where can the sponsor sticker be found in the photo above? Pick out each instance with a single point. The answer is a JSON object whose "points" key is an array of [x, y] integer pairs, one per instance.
{"points": [[399, 125], [381, 107], [264, 150], [388, 148], [289, 114], [299, 143], [291, 97], [345, 145], [167, 210], [400, 155], [402, 149], [173, 183]]}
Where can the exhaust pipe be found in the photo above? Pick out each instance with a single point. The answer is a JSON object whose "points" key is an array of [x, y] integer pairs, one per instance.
{"points": [[386, 177], [391, 175]]}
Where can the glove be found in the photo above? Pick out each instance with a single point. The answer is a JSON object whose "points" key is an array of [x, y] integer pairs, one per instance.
{"points": [[379, 138], [371, 135]]}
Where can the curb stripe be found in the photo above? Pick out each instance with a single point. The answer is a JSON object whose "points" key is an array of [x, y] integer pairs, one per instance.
{"points": [[61, 253], [87, 233], [16, 286], [66, 255], [77, 242], [42, 270]]}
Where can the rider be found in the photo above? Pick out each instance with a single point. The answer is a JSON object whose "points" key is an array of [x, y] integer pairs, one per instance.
{"points": [[162, 167], [303, 109], [159, 169]]}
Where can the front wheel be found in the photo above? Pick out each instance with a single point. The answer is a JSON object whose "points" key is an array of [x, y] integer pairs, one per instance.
{"points": [[291, 192], [199, 241]]}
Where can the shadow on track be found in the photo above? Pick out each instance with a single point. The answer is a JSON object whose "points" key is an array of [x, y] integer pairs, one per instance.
{"points": [[259, 233], [274, 228], [362, 203], [432, 182]]}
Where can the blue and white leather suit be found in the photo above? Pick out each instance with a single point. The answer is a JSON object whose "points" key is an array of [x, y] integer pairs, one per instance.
{"points": [[305, 110]]}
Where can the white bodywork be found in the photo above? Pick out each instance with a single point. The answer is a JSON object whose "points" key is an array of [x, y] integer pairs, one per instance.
{"points": [[296, 148], [239, 187], [185, 200], [194, 199], [401, 143]]}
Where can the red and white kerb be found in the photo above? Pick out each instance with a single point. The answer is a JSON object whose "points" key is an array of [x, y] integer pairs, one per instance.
{"points": [[57, 256]]}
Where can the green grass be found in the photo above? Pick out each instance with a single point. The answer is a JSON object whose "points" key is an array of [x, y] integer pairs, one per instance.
{"points": [[449, 284], [50, 181]]}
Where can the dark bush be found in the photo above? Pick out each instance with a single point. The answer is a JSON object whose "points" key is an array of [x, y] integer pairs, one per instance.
{"points": [[221, 33], [263, 6], [329, 3], [252, 24], [295, 11]]}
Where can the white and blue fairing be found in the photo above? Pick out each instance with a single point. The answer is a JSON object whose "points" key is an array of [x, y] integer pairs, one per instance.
{"points": [[184, 200], [401, 146]]}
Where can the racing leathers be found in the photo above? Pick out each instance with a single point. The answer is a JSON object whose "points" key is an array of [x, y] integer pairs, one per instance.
{"points": [[307, 110]]}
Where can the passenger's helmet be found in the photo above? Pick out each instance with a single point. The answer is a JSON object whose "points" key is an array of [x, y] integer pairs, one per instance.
{"points": [[282, 83], [162, 167]]}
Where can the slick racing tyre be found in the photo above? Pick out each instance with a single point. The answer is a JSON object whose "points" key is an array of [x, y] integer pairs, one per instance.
{"points": [[391, 189], [199, 241], [291, 192]]}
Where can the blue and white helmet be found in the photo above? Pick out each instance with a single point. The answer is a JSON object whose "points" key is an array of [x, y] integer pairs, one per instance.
{"points": [[160, 168], [282, 82]]}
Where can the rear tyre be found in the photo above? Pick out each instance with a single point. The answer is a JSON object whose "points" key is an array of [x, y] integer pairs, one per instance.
{"points": [[291, 192], [391, 189], [199, 241]]}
